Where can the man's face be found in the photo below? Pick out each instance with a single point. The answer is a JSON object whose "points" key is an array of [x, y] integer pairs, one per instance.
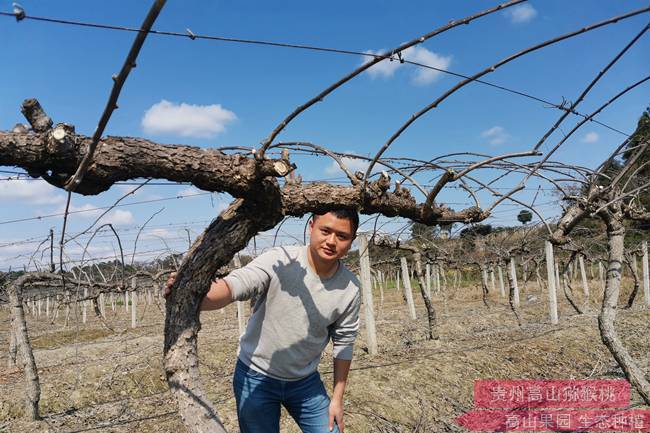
{"points": [[330, 237]]}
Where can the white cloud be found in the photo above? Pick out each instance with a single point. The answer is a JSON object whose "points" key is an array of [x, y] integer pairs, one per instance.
{"points": [[118, 217], [191, 191], [496, 135], [521, 14], [186, 120], [30, 191], [157, 233], [83, 211], [383, 69], [590, 137], [421, 76], [352, 164]]}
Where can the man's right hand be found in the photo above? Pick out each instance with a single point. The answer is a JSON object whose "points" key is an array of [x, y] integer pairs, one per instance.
{"points": [[168, 285]]}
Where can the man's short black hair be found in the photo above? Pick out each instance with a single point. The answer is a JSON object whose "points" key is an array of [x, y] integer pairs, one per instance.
{"points": [[342, 213]]}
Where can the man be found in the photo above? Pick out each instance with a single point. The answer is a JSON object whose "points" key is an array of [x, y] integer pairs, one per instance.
{"points": [[305, 297]]}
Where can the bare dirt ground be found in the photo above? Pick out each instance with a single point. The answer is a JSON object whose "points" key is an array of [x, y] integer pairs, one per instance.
{"points": [[97, 380]]}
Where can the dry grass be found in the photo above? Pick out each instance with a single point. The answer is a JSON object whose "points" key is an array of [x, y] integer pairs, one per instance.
{"points": [[96, 380]]}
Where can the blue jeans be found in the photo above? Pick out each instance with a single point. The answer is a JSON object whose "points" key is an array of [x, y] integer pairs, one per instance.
{"points": [[259, 398]]}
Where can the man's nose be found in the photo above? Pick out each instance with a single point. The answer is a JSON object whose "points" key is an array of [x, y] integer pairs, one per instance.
{"points": [[331, 239]]}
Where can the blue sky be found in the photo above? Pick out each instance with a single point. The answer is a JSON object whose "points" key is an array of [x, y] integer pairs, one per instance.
{"points": [[215, 94]]}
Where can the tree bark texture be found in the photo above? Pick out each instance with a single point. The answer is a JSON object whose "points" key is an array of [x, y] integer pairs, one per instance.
{"points": [[513, 290], [55, 154], [635, 277], [32, 385], [226, 235], [13, 349], [484, 285], [607, 316], [431, 312], [646, 273]]}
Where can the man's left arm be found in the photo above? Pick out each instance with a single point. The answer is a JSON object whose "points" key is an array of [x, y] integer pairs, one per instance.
{"points": [[341, 370]]}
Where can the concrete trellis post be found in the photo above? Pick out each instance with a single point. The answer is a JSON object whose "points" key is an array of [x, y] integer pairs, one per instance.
{"points": [[241, 319], [601, 275], [513, 275], [550, 272], [437, 274], [134, 303], [102, 305], [646, 277], [84, 314], [366, 291], [126, 301], [407, 288], [558, 280], [47, 306], [583, 274], [443, 275], [502, 288], [493, 284], [484, 276], [397, 280]]}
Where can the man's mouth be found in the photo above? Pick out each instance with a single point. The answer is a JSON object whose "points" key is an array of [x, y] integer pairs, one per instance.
{"points": [[329, 252]]}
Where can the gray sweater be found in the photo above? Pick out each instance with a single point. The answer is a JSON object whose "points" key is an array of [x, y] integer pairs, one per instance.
{"points": [[296, 314]]}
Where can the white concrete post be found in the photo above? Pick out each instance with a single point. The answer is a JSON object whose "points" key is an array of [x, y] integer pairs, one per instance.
{"points": [[126, 301], [436, 272], [646, 277], [366, 287], [84, 314], [134, 303], [102, 305], [493, 284], [502, 288], [601, 275], [47, 306], [407, 288], [397, 280], [550, 272], [583, 274], [513, 275]]}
